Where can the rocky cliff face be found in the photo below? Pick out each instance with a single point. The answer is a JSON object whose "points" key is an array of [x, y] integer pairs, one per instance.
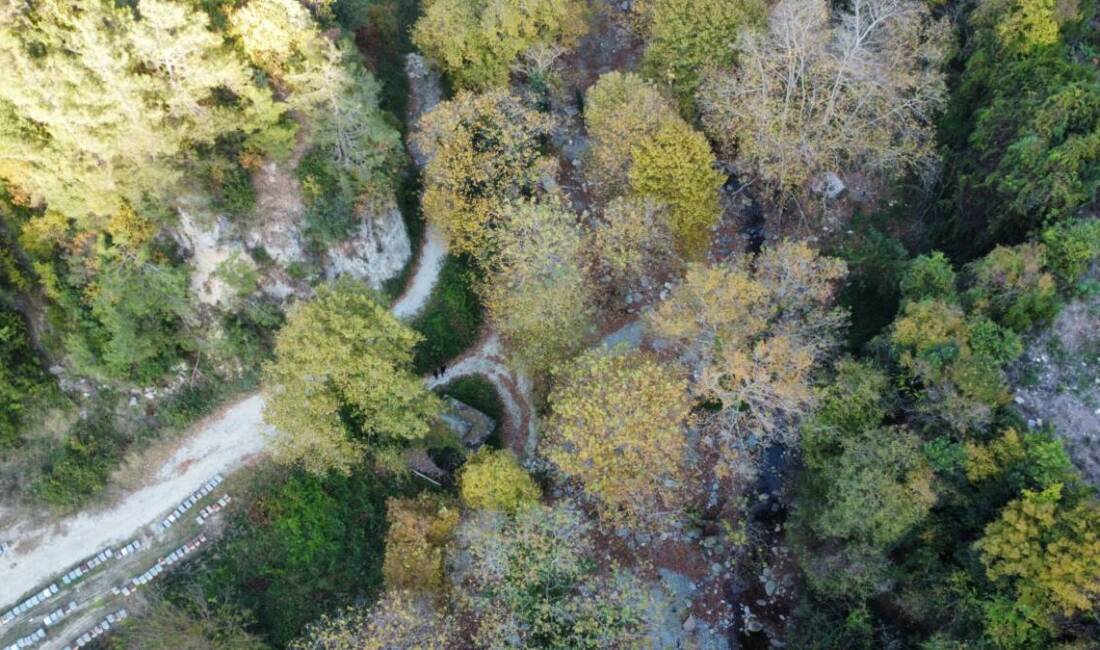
{"points": [[378, 250]]}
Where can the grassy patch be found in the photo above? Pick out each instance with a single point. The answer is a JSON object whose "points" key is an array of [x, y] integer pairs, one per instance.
{"points": [[451, 319], [479, 393]]}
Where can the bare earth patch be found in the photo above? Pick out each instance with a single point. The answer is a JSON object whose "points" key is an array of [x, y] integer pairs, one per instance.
{"points": [[1058, 383]]}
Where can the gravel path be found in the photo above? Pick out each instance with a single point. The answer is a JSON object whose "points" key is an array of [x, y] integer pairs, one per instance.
{"points": [[222, 446], [514, 389], [416, 294]]}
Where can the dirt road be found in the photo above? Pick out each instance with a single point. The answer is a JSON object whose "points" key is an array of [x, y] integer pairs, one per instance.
{"points": [[222, 446]]}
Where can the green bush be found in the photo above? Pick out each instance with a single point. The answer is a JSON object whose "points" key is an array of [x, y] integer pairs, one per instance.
{"points": [[687, 37], [79, 469], [928, 276], [477, 41], [305, 546], [330, 202], [1013, 287], [232, 189], [1071, 247], [21, 379], [494, 480], [451, 318]]}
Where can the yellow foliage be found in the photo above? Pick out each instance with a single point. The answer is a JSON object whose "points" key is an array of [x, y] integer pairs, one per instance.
{"points": [[494, 480], [1048, 550], [419, 530], [483, 151], [478, 41], [616, 426], [755, 331]]}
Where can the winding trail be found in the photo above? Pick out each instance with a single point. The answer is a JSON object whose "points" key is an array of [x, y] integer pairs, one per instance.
{"points": [[432, 254], [225, 442], [487, 360]]}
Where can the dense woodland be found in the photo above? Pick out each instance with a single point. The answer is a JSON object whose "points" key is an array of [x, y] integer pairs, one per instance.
{"points": [[773, 275]]}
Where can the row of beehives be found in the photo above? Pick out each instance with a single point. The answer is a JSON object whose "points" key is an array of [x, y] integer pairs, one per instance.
{"points": [[187, 503], [89, 565], [53, 618], [98, 629], [131, 585]]}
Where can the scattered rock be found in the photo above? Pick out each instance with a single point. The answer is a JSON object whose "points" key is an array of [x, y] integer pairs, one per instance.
{"points": [[828, 185]]}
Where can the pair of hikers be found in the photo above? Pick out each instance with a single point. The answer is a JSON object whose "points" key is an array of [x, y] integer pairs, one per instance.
{"points": [[440, 371]]}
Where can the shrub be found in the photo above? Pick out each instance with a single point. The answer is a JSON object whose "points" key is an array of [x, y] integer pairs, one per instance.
{"points": [[1012, 286], [494, 480], [478, 41], [450, 320], [419, 529], [1070, 248], [929, 276], [79, 469]]}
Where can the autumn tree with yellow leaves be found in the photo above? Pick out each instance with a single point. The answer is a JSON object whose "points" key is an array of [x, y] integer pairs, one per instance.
{"points": [[753, 331], [616, 425], [483, 151]]}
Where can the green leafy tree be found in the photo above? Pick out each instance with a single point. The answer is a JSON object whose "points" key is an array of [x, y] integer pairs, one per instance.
{"points": [[21, 378], [676, 167], [1023, 125], [688, 37], [326, 83], [140, 308], [1013, 286], [341, 383], [929, 276], [478, 41], [1045, 547]]}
